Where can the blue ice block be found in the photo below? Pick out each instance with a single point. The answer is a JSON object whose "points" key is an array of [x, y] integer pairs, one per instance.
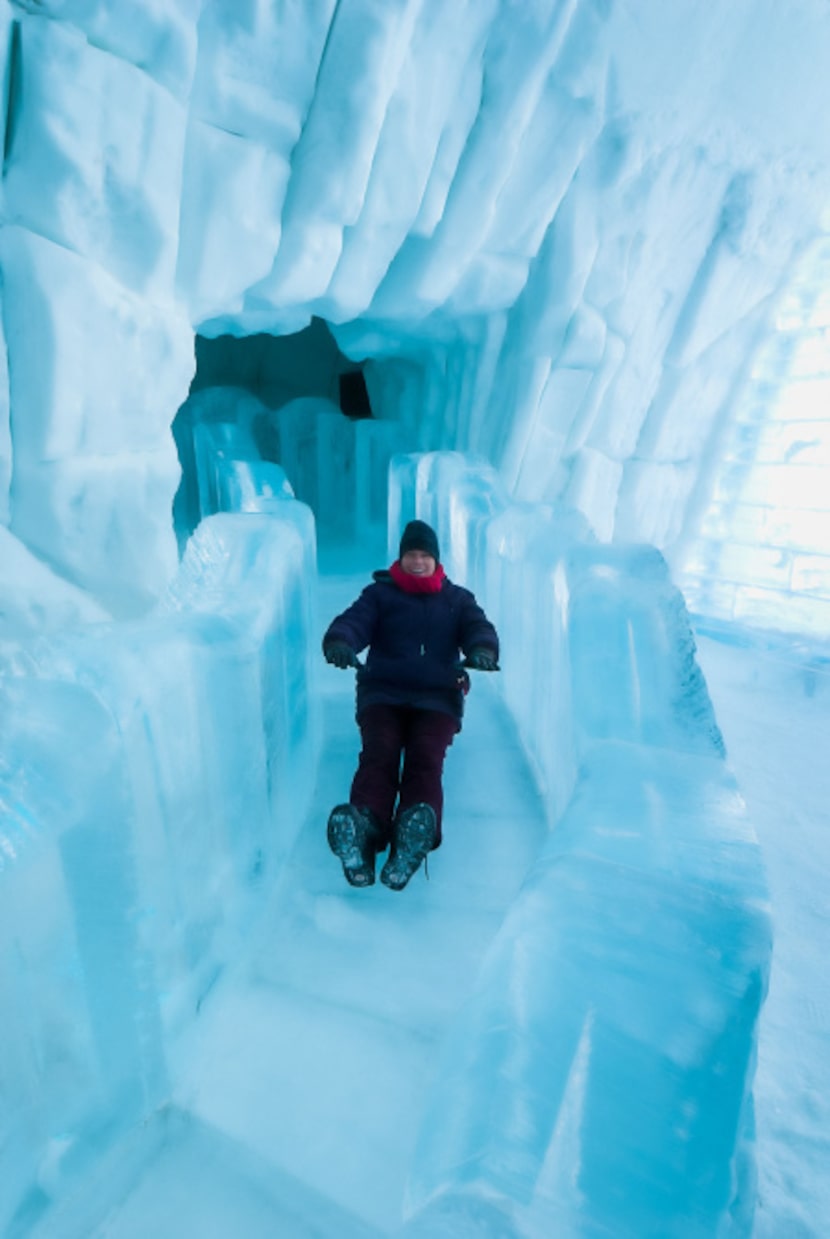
{"points": [[599, 1080]]}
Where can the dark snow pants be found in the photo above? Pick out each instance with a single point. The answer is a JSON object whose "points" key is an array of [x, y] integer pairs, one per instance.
{"points": [[402, 759]]}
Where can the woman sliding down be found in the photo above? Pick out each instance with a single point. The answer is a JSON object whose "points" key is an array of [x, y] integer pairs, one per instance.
{"points": [[410, 700]]}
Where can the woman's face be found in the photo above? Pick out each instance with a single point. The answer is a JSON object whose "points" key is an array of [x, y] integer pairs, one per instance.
{"points": [[418, 563]]}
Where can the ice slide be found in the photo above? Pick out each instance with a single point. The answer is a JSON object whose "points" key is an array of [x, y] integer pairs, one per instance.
{"points": [[209, 1033]]}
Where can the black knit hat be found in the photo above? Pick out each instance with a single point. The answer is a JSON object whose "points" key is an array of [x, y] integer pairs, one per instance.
{"points": [[419, 536]]}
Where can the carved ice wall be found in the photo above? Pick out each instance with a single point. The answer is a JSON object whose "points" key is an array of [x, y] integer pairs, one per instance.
{"points": [[556, 227]]}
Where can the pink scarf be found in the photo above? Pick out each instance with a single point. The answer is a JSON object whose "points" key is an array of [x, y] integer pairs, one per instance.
{"points": [[411, 584]]}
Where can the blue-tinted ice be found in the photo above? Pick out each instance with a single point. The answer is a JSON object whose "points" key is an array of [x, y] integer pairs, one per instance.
{"points": [[556, 1035]]}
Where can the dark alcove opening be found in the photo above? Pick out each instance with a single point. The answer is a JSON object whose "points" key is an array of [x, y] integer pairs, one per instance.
{"points": [[278, 369], [273, 371]]}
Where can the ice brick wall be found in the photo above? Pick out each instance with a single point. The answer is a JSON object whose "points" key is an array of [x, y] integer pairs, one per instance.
{"points": [[152, 778], [556, 245], [761, 551], [81, 1047], [98, 350], [236, 453], [555, 230], [599, 1079]]}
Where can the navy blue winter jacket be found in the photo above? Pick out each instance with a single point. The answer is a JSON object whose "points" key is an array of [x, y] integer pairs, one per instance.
{"points": [[415, 643]]}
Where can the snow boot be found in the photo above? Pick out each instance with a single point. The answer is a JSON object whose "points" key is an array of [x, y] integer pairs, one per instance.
{"points": [[355, 837], [413, 835]]}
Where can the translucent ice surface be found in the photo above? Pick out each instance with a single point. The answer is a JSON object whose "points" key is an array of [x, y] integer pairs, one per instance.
{"points": [[153, 779], [574, 257], [559, 1029], [606, 1054]]}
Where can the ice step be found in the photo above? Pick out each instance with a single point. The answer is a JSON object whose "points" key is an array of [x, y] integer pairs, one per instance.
{"points": [[197, 1183]]}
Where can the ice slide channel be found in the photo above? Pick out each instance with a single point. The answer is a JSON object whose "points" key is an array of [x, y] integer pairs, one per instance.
{"points": [[205, 1032]]}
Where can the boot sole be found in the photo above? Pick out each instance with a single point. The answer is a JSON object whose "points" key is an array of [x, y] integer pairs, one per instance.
{"points": [[416, 838], [342, 837]]}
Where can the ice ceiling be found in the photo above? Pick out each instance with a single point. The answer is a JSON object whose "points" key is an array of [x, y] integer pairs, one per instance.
{"points": [[555, 230]]}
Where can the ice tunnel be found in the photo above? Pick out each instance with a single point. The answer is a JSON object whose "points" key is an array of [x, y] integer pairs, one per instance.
{"points": [[293, 397], [552, 276]]}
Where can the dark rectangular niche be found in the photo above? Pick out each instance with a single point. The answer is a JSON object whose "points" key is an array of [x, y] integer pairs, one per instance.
{"points": [[354, 397]]}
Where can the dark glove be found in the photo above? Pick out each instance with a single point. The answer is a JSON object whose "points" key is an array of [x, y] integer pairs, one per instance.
{"points": [[482, 660], [339, 654]]}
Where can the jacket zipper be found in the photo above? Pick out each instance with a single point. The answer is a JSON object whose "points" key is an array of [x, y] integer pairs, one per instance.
{"points": [[424, 621]]}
